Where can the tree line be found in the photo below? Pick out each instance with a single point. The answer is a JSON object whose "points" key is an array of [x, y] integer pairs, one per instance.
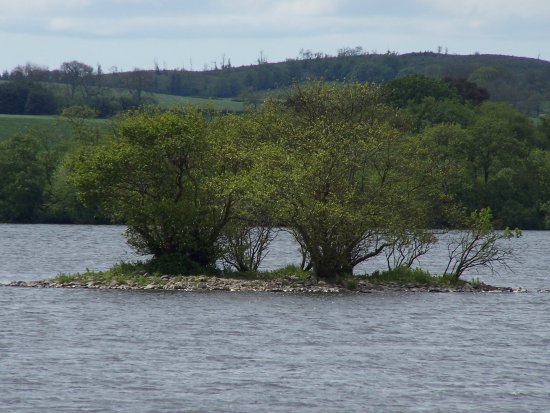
{"points": [[500, 155], [34, 90]]}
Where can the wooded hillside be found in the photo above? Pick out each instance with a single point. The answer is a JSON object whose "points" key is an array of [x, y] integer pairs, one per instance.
{"points": [[523, 82]]}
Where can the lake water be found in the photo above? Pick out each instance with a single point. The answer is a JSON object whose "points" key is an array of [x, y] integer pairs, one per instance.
{"points": [[151, 351]]}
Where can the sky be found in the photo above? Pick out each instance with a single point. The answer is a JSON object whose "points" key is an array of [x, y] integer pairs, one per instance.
{"points": [[196, 34]]}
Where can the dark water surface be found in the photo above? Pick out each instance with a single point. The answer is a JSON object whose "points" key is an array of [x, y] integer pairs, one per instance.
{"points": [[144, 351]]}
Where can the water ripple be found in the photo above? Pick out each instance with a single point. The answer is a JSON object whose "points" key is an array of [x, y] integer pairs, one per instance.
{"points": [[140, 352]]}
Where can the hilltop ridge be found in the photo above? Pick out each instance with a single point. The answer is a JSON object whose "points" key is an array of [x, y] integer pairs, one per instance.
{"points": [[524, 82]]}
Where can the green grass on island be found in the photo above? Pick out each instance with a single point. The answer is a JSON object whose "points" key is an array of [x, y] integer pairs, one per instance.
{"points": [[142, 274]]}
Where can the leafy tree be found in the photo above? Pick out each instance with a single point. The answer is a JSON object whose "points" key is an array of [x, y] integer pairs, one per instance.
{"points": [[76, 74], [245, 239], [494, 142], [341, 175], [13, 96], [430, 112], [529, 182], [32, 72], [412, 89], [61, 203], [428, 101], [488, 160], [40, 101], [26, 97], [468, 91], [22, 179], [79, 111], [168, 178]]}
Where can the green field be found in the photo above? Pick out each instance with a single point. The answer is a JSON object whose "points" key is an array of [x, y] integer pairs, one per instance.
{"points": [[168, 101], [11, 125]]}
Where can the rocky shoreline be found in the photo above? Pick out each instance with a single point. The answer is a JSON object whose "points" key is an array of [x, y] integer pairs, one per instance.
{"points": [[284, 285]]}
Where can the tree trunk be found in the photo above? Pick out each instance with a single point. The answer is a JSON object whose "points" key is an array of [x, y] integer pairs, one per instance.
{"points": [[328, 269]]}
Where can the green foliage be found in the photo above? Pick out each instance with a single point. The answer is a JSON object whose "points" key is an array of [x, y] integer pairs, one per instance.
{"points": [[32, 155], [468, 91], [120, 274], [61, 204], [170, 177], [218, 104], [486, 155], [23, 178], [475, 282], [407, 275], [484, 151], [520, 81], [408, 90], [61, 128], [497, 154], [24, 97], [351, 285], [177, 264], [340, 173], [64, 278], [290, 270], [430, 111], [430, 101]]}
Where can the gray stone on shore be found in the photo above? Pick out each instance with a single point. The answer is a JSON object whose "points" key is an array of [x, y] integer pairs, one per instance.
{"points": [[286, 285]]}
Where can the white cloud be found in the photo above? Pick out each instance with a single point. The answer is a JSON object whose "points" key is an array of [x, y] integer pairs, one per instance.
{"points": [[17, 9], [492, 9], [139, 17], [241, 28], [305, 7], [258, 18]]}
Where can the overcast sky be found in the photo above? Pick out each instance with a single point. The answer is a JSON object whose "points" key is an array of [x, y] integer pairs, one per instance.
{"points": [[132, 34]]}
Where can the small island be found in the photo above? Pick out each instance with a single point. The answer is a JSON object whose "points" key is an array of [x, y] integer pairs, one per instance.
{"points": [[337, 166], [287, 280]]}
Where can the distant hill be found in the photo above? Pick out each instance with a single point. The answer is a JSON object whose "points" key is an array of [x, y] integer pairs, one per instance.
{"points": [[524, 82]]}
